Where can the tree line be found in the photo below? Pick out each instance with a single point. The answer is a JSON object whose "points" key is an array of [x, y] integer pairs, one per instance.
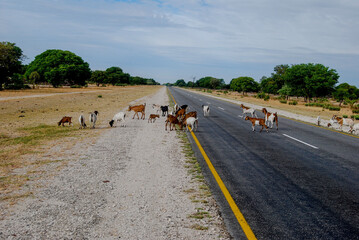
{"points": [[300, 80], [58, 68]]}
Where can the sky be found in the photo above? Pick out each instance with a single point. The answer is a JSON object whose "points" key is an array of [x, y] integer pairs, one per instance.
{"points": [[169, 40]]}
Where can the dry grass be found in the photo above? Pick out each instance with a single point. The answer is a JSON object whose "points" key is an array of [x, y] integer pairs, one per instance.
{"points": [[28, 127], [300, 108]]}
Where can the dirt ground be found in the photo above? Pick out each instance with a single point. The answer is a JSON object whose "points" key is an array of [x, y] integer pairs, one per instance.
{"points": [[29, 125]]}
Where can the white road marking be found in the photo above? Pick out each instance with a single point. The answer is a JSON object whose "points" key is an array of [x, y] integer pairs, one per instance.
{"points": [[300, 141], [221, 108]]}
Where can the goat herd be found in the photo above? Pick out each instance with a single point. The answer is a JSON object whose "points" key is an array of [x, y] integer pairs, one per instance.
{"points": [[178, 116]]}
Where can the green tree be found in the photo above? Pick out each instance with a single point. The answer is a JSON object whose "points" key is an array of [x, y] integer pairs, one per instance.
{"points": [[10, 62], [285, 91], [244, 84], [59, 67], [311, 80], [345, 91], [98, 77], [180, 83], [34, 78]]}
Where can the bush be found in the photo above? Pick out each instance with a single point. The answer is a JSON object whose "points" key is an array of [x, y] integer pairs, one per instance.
{"points": [[332, 108], [355, 110], [209, 91], [345, 116], [99, 96], [75, 86], [225, 92], [261, 95], [293, 103], [356, 117], [283, 101], [266, 98]]}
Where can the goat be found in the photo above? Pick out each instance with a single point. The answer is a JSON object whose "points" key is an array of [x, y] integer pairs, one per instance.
{"points": [[192, 122], [82, 121], [319, 120], [93, 118], [190, 114], [164, 110], [355, 128], [153, 117], [248, 110], [137, 109], [270, 118], [172, 120], [205, 110], [119, 117], [157, 107], [65, 120], [180, 113], [258, 122], [343, 121], [175, 108], [183, 107]]}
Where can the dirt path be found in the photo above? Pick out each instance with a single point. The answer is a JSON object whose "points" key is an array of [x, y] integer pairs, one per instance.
{"points": [[129, 184]]}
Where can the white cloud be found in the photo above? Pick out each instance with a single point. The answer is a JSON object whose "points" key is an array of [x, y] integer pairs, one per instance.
{"points": [[192, 33]]}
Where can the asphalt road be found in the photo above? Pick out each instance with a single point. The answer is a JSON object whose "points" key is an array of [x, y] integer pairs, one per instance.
{"points": [[300, 182]]}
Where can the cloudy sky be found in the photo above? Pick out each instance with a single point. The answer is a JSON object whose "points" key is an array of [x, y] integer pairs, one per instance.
{"points": [[184, 39]]}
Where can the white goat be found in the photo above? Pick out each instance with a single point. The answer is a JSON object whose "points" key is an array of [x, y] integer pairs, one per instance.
{"points": [[344, 121], [93, 118], [192, 122], [82, 121], [119, 117], [246, 110], [355, 128], [319, 120], [205, 110]]}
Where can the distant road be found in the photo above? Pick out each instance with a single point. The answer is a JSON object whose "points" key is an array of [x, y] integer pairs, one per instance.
{"points": [[300, 182]]}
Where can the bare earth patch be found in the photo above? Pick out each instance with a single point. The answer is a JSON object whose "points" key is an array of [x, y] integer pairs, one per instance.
{"points": [[128, 183]]}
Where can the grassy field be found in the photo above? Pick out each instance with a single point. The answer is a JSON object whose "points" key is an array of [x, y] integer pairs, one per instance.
{"points": [[29, 127]]}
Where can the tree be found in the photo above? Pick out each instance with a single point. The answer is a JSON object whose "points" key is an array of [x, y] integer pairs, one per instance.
{"points": [[116, 76], [10, 62], [244, 84], [180, 83], [311, 80], [98, 77], [59, 67], [345, 91], [285, 91], [34, 78]]}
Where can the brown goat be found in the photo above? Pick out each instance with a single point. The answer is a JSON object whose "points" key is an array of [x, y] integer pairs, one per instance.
{"points": [[172, 120], [258, 122], [137, 109], [65, 120], [181, 113], [153, 117]]}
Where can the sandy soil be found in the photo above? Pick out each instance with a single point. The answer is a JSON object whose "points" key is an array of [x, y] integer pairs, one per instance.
{"points": [[130, 183]]}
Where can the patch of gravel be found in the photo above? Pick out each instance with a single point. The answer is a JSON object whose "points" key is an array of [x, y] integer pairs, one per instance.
{"points": [[129, 184]]}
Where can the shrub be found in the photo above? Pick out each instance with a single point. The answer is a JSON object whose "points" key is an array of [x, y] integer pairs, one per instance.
{"points": [[75, 86], [345, 116], [283, 101], [225, 92], [332, 108], [261, 95], [356, 117], [355, 110], [266, 98], [293, 103], [99, 96], [209, 91]]}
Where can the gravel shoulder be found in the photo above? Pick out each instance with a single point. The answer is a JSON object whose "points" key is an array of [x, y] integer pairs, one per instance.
{"points": [[130, 183]]}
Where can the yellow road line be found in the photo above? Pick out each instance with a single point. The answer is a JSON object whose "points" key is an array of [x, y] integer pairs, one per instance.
{"points": [[240, 218]]}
